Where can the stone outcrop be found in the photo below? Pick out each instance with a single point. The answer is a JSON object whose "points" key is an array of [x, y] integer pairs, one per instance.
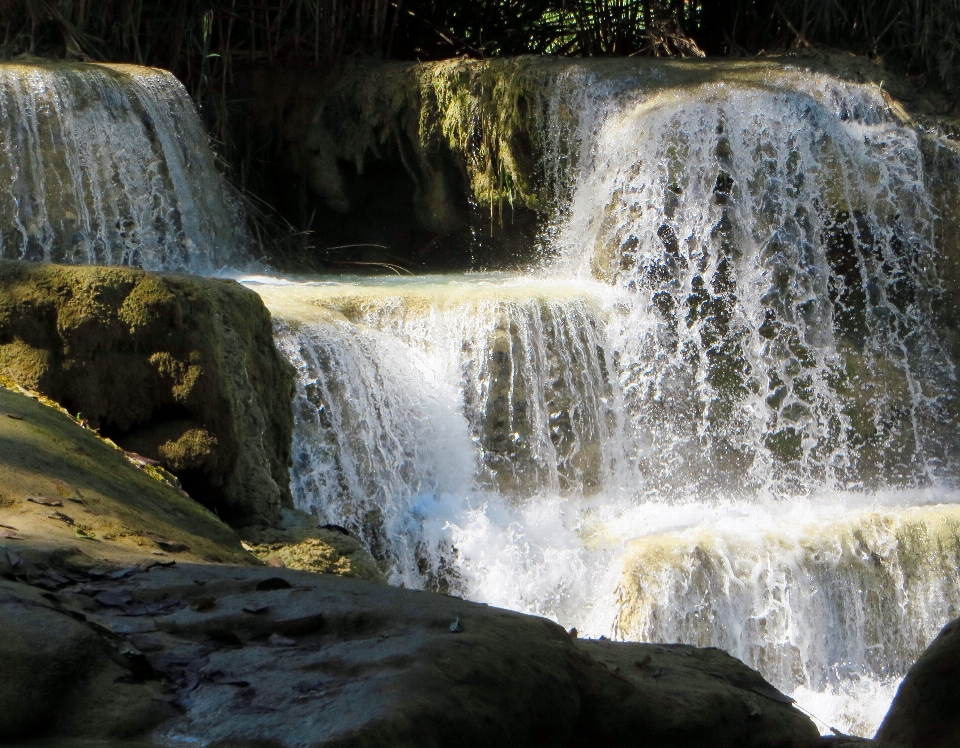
{"points": [[296, 542], [243, 656], [926, 710], [179, 369], [68, 493]]}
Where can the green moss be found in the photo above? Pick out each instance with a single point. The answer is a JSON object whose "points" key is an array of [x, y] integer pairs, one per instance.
{"points": [[454, 124], [181, 369]]}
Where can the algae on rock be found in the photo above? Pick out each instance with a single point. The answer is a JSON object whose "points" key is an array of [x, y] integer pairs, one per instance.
{"points": [[180, 369]]}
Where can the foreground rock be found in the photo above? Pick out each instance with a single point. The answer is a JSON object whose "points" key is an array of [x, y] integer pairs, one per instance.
{"points": [[242, 656], [66, 493], [926, 710], [179, 369]]}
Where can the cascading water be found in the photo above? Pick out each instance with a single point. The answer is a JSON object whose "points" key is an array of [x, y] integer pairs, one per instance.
{"points": [[724, 412], [109, 165]]}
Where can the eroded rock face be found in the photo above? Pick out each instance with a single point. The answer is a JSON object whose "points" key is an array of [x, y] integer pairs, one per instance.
{"points": [[238, 656], [926, 710], [179, 369]]}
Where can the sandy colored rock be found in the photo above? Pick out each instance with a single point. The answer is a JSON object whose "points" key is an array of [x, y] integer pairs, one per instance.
{"points": [[179, 369], [926, 710], [296, 542]]}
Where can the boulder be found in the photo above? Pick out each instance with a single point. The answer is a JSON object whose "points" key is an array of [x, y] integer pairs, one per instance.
{"points": [[179, 369], [61, 676], [926, 710], [260, 656]]}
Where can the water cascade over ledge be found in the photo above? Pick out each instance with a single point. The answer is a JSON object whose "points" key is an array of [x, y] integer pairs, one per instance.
{"points": [[109, 165], [723, 412]]}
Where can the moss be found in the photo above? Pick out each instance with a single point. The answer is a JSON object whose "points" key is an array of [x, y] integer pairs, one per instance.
{"points": [[180, 369], [456, 123], [296, 542]]}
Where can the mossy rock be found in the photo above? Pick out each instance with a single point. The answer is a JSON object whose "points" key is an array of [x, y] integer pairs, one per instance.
{"points": [[296, 542], [179, 369], [67, 493]]}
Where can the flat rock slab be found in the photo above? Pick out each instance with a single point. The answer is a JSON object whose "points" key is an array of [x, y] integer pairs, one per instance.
{"points": [[243, 656]]}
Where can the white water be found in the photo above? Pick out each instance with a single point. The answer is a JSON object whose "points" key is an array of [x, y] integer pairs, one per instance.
{"points": [[722, 414], [109, 165]]}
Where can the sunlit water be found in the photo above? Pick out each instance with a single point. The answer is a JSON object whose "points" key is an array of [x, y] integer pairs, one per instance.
{"points": [[439, 418], [109, 165], [722, 412]]}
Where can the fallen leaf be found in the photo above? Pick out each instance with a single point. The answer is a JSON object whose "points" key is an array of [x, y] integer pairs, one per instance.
{"points": [[171, 546], [255, 610], [45, 502], [81, 533], [61, 517], [204, 603], [14, 416], [57, 577], [281, 641], [140, 459], [125, 572], [9, 534], [275, 561]]}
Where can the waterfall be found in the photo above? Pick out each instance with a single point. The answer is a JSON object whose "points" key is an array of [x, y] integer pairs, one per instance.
{"points": [[723, 412], [109, 165]]}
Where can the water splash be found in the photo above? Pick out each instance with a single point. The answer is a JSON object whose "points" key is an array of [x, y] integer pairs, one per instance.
{"points": [[109, 165], [724, 414]]}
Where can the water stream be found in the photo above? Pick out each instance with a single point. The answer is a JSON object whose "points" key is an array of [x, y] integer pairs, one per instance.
{"points": [[722, 411], [109, 165]]}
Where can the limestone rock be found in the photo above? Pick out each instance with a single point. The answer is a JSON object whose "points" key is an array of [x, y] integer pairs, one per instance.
{"points": [[261, 656], [61, 676], [296, 542], [678, 695], [926, 710], [64, 491], [179, 369]]}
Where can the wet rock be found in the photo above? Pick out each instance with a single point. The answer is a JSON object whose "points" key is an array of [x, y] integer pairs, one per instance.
{"points": [[926, 710]]}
